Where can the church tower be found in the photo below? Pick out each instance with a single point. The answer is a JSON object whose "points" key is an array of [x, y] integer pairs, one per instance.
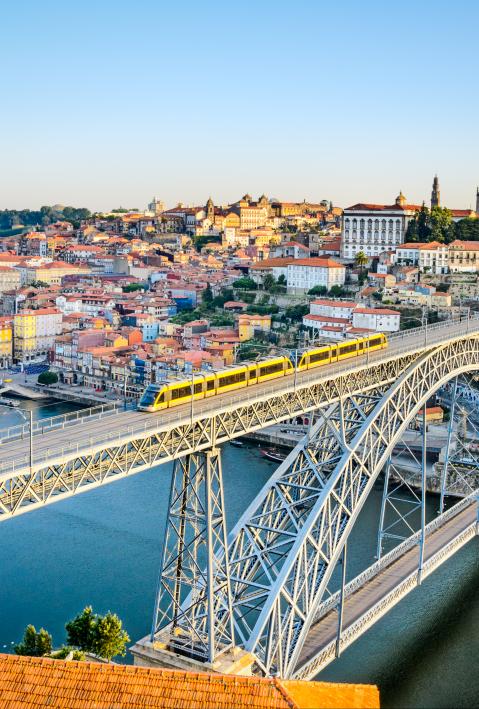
{"points": [[477, 201], [210, 210], [435, 194]]}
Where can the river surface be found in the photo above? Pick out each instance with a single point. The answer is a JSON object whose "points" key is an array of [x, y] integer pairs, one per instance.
{"points": [[103, 549]]}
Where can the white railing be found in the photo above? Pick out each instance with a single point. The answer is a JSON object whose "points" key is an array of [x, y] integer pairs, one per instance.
{"points": [[392, 556], [40, 426], [399, 344]]}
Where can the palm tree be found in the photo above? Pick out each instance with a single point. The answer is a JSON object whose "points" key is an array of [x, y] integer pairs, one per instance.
{"points": [[361, 260]]}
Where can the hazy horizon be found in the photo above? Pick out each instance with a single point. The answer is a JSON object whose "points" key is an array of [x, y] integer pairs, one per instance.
{"points": [[109, 104]]}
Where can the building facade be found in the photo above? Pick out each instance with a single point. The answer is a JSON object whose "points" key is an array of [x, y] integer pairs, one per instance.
{"points": [[374, 228]]}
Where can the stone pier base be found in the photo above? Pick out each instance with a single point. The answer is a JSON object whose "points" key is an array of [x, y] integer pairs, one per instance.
{"points": [[147, 654]]}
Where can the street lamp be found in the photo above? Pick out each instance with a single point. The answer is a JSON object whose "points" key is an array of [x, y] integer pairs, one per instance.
{"points": [[30, 433]]}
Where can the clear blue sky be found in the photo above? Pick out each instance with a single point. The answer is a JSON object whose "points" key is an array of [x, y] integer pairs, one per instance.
{"points": [[106, 103]]}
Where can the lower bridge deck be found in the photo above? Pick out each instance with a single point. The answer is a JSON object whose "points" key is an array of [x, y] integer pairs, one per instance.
{"points": [[364, 606]]}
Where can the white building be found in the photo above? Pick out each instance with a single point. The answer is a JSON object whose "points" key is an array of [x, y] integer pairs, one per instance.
{"points": [[378, 319], [304, 274], [337, 319], [432, 257], [374, 228]]}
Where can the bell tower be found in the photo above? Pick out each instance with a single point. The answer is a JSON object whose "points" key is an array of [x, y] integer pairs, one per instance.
{"points": [[477, 201], [210, 210], [435, 194]]}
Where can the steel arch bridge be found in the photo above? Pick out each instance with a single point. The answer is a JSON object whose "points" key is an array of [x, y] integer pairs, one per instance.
{"points": [[262, 589]]}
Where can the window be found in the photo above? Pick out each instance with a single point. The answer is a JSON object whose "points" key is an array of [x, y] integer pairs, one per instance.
{"points": [[270, 369], [180, 392], [227, 380], [319, 356], [210, 385], [346, 349]]}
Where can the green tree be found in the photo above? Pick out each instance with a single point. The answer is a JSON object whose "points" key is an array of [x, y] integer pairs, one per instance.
{"points": [[269, 282], [109, 637], [132, 287], [282, 280], [47, 378], [361, 260], [337, 291], [207, 295], [318, 290], [245, 283], [33, 643], [80, 630], [440, 224]]}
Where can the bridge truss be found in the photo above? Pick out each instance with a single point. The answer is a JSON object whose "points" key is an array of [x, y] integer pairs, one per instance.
{"points": [[283, 552]]}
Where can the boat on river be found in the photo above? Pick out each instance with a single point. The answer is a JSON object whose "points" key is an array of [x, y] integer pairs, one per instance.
{"points": [[273, 454]]}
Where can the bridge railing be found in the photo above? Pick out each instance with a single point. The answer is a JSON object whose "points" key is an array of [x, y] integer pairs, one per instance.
{"points": [[40, 426], [392, 556], [400, 343]]}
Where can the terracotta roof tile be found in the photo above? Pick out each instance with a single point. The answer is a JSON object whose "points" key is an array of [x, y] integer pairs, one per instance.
{"points": [[40, 682]]}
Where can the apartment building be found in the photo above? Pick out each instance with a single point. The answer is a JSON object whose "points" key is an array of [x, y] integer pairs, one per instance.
{"points": [[304, 274], [432, 257], [6, 338], [464, 257], [35, 332], [10, 279]]}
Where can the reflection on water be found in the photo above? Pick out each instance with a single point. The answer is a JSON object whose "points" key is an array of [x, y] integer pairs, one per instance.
{"points": [[103, 548]]}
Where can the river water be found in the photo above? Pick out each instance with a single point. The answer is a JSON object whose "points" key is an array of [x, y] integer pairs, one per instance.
{"points": [[103, 549]]}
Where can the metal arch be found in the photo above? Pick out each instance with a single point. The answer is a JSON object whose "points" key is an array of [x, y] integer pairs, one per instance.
{"points": [[295, 589]]}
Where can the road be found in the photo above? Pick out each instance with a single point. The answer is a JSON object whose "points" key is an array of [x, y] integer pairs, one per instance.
{"points": [[126, 424]]}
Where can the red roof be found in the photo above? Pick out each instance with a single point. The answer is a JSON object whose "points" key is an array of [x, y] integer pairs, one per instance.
{"points": [[317, 263], [365, 207]]}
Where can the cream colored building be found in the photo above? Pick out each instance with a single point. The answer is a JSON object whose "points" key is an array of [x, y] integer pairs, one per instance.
{"points": [[35, 332], [464, 257], [52, 273], [10, 278]]}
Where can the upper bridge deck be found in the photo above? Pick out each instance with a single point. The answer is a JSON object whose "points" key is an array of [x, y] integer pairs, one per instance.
{"points": [[67, 441]]}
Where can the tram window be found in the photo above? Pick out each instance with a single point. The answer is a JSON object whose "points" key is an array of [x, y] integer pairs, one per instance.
{"points": [[346, 349], [319, 356], [375, 341], [198, 388], [271, 369], [232, 379], [210, 385], [181, 392], [161, 398]]}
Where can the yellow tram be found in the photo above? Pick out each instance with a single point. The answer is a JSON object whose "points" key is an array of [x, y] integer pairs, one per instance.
{"points": [[163, 396]]}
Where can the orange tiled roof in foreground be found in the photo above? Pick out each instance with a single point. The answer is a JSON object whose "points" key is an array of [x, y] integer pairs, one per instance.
{"points": [[41, 682]]}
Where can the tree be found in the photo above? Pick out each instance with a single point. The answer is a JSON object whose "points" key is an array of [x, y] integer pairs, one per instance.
{"points": [[80, 630], [132, 287], [47, 378], [207, 295], [109, 637], [318, 290], [337, 291], [282, 280], [269, 282], [33, 643], [245, 283], [361, 260]]}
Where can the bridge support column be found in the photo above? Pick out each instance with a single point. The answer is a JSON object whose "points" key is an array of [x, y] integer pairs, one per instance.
{"points": [[445, 470], [422, 541], [193, 613], [341, 599]]}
